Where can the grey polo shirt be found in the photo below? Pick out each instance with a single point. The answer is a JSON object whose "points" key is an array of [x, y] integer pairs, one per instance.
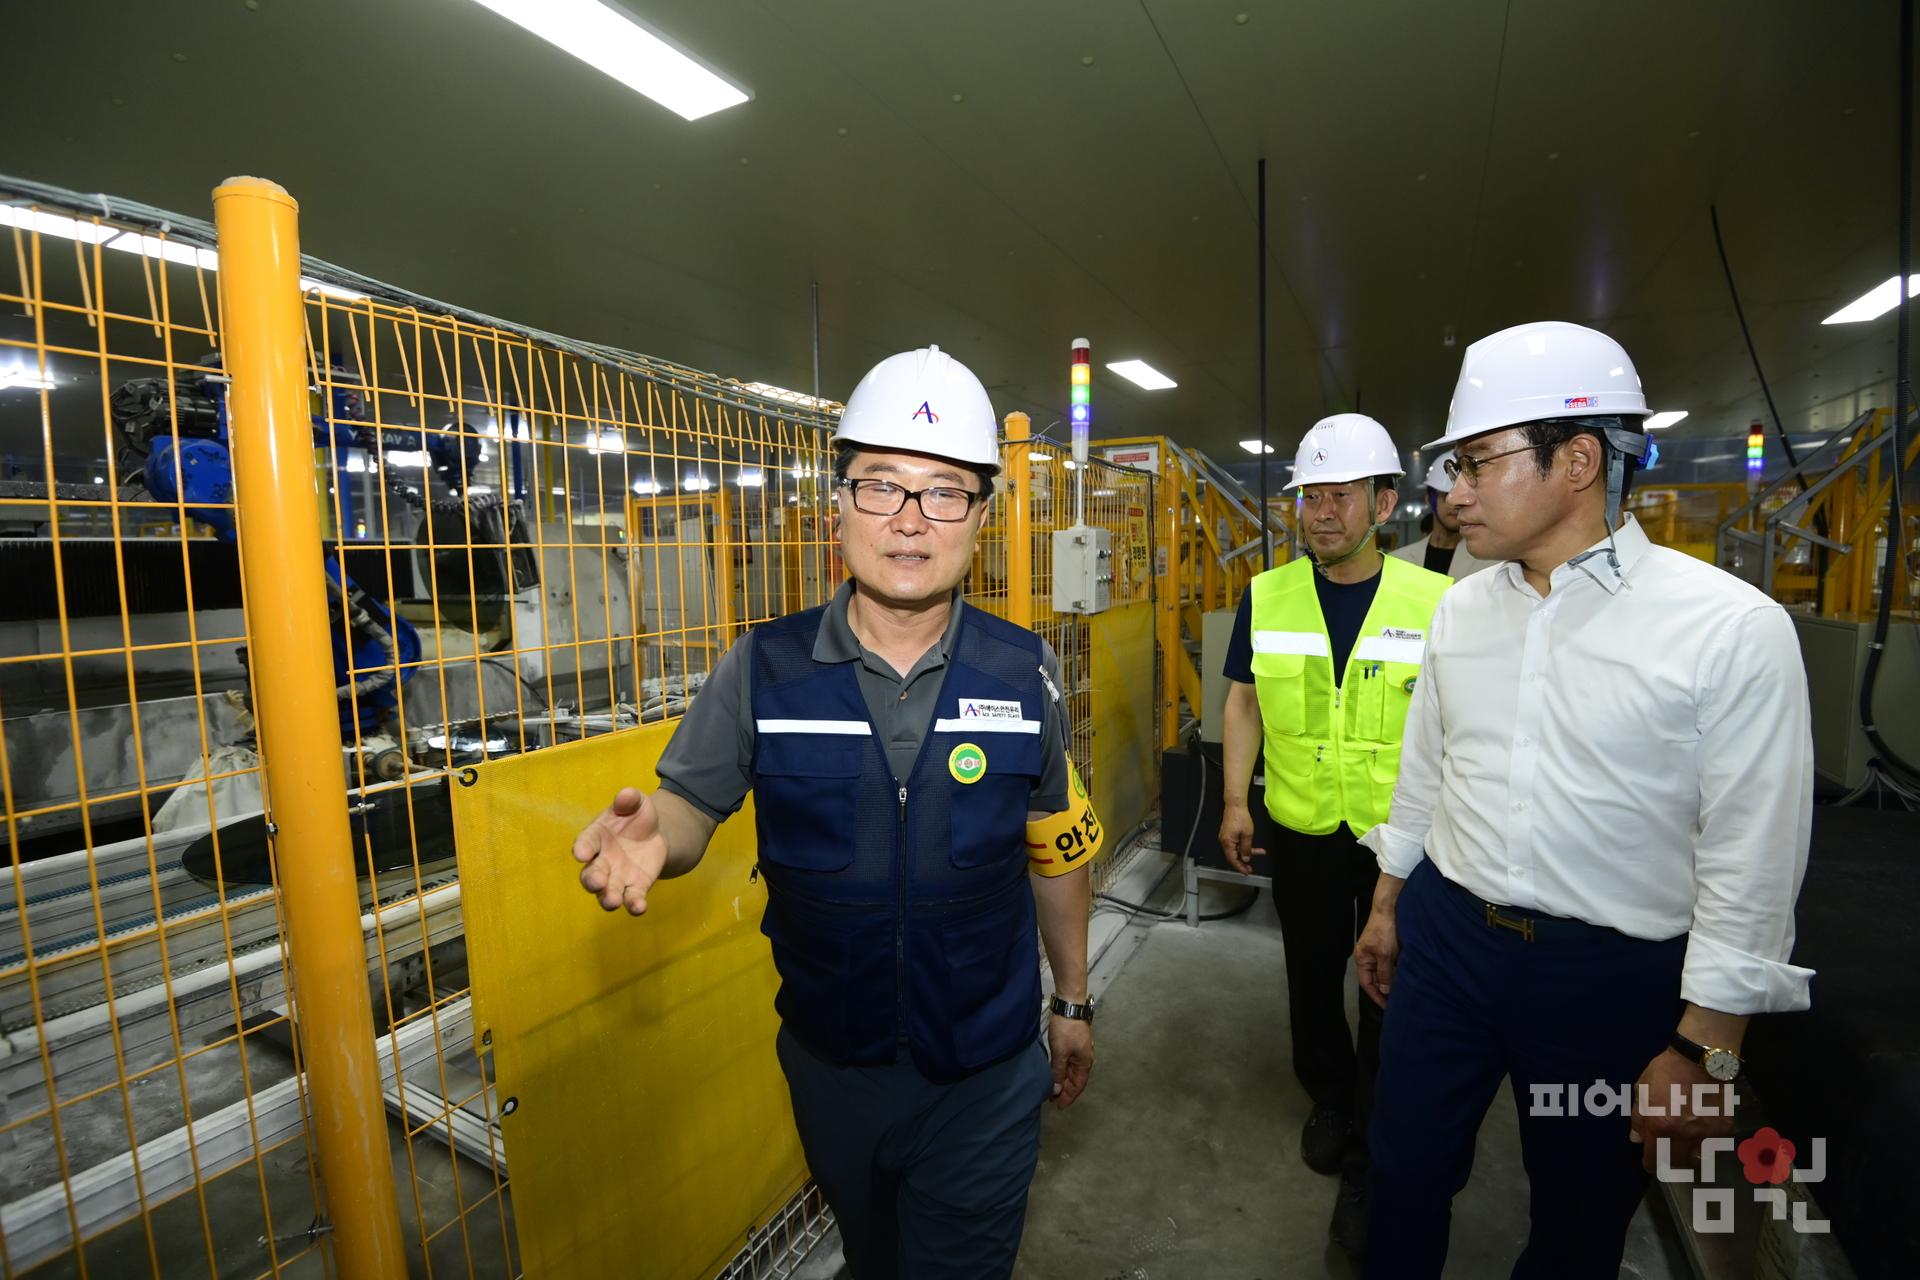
{"points": [[709, 760]]}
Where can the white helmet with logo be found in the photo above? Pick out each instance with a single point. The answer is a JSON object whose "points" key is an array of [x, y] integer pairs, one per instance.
{"points": [[1347, 446], [1548, 369], [923, 401]]}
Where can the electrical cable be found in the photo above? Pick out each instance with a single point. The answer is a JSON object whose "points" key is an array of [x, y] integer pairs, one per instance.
{"points": [[1902, 771], [1185, 851]]}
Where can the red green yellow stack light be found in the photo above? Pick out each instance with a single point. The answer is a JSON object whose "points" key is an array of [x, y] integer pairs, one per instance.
{"points": [[1080, 389]]}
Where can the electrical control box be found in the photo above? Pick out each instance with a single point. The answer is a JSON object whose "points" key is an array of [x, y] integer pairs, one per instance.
{"points": [[1082, 569]]}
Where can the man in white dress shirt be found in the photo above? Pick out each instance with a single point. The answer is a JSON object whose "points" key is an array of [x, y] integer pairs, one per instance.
{"points": [[1597, 835]]}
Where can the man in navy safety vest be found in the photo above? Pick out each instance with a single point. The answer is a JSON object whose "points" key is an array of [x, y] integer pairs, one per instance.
{"points": [[1587, 882], [917, 816], [1323, 662]]}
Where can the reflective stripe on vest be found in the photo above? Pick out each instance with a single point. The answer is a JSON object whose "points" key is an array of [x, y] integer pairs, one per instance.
{"points": [[1333, 750]]}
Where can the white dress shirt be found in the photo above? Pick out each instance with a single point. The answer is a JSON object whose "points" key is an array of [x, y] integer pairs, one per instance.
{"points": [[1632, 750]]}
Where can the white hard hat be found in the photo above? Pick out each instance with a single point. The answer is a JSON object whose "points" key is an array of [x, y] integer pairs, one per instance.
{"points": [[1347, 446], [1548, 369], [923, 401], [1437, 478]]}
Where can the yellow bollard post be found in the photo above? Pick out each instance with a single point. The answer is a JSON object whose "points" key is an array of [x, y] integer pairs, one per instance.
{"points": [[299, 724], [1166, 586], [1019, 476]]}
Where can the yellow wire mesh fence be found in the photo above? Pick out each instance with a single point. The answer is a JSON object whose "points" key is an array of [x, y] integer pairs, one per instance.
{"points": [[526, 543]]}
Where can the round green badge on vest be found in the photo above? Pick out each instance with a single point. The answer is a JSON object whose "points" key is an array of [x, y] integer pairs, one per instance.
{"points": [[1408, 686], [967, 763]]}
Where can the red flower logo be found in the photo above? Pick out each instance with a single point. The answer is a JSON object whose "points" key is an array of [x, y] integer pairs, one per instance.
{"points": [[1767, 1156]]}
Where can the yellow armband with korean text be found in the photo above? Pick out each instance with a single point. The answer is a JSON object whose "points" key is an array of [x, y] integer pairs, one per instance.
{"points": [[1063, 842]]}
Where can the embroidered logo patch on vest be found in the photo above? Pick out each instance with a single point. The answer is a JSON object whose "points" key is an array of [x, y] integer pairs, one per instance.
{"points": [[967, 763], [1408, 686]]}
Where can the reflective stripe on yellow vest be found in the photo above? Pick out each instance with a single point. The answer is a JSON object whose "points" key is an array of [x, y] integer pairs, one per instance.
{"points": [[1333, 750]]}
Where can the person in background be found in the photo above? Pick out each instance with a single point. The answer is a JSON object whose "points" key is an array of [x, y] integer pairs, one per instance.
{"points": [[1441, 549], [1323, 660]]}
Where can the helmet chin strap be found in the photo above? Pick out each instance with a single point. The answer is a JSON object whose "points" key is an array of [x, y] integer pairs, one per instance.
{"points": [[1621, 445], [1321, 566]]}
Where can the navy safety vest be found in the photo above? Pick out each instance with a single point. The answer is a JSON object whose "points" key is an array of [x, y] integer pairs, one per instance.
{"points": [[899, 908]]}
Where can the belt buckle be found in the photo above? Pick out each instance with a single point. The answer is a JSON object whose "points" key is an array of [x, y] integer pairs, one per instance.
{"points": [[1495, 920]]}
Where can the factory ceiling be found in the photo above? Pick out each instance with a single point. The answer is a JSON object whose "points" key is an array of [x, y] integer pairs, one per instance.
{"points": [[1002, 176]]}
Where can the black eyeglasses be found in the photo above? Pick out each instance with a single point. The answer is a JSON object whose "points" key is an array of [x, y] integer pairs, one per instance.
{"points": [[1462, 467], [885, 498]]}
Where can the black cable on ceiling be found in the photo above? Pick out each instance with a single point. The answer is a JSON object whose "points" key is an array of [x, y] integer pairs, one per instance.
{"points": [[1902, 396]]}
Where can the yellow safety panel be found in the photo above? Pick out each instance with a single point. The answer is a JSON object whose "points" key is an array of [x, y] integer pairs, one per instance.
{"points": [[1125, 780], [650, 1128]]}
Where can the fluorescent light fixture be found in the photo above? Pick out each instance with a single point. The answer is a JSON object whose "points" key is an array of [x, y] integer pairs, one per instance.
{"points": [[176, 251], [1875, 302], [409, 458], [1040, 455], [24, 379], [1142, 374], [1070, 464], [606, 442], [1661, 421], [644, 487], [610, 41], [750, 479], [1255, 447], [786, 396], [1717, 457], [696, 484]]}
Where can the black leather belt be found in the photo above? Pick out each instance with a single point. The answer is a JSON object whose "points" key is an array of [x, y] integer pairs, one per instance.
{"points": [[1530, 925]]}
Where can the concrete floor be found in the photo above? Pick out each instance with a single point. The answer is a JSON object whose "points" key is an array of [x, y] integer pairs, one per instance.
{"points": [[1181, 1161]]}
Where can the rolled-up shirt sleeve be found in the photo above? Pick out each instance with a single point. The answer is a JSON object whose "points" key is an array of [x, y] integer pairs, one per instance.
{"points": [[1399, 843], [1756, 818]]}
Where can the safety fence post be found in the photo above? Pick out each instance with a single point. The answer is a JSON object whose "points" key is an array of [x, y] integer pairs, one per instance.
{"points": [[1019, 477], [298, 716]]}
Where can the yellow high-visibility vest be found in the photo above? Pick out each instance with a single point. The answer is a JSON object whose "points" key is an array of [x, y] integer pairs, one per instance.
{"points": [[1333, 749]]}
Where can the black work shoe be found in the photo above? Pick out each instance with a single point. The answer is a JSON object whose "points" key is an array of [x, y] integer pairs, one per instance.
{"points": [[1323, 1142], [1349, 1227]]}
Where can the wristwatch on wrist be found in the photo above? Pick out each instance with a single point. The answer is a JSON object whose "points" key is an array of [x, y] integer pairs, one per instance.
{"points": [[1722, 1064], [1068, 1009]]}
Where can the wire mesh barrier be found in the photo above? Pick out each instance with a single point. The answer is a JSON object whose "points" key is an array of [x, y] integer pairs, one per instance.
{"points": [[514, 544]]}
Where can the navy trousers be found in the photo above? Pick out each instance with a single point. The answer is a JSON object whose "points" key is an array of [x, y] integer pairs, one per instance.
{"points": [[926, 1181], [1473, 1003]]}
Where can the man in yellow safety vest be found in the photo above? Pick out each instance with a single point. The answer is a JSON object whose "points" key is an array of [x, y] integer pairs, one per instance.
{"points": [[1323, 661]]}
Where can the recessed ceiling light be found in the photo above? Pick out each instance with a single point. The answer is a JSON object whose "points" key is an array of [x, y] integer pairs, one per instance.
{"points": [[1875, 302], [1142, 374], [1255, 447], [614, 42], [1661, 421], [25, 379]]}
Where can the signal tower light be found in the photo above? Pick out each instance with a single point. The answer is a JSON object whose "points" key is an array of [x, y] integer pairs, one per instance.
{"points": [[1756, 450], [1080, 390]]}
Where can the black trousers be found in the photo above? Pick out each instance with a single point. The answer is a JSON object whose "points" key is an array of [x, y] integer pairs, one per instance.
{"points": [[1323, 891]]}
